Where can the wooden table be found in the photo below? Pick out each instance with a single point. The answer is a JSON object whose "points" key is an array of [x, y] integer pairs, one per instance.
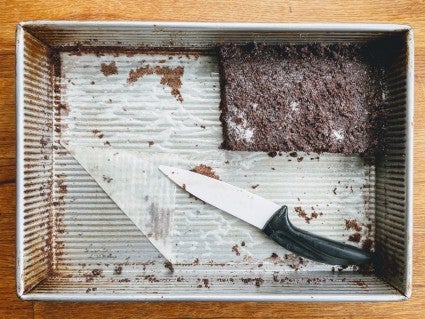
{"points": [[12, 11]]}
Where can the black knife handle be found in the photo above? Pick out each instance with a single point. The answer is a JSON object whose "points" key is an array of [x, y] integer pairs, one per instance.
{"points": [[311, 246]]}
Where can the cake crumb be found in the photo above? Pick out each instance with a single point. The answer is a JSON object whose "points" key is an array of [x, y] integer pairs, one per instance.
{"points": [[109, 69], [355, 237], [205, 170], [169, 265]]}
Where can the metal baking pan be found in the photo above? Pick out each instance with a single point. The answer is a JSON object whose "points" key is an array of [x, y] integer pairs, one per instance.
{"points": [[73, 83]]}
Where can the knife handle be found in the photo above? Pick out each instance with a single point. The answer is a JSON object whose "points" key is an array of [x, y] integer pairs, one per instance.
{"points": [[311, 246]]}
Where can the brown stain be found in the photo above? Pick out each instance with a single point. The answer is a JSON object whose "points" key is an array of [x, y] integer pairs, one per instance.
{"points": [[205, 170], [170, 77], [109, 69], [235, 249]]}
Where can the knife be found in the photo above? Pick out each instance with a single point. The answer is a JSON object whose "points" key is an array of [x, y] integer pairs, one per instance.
{"points": [[266, 215]]}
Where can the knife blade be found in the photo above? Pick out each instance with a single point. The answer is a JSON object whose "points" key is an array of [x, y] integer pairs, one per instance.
{"points": [[268, 216]]}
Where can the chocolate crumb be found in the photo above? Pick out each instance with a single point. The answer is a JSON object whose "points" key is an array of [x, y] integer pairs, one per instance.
{"points": [[258, 281], [235, 249], [203, 126], [334, 190], [109, 69], [124, 280], [243, 244], [205, 170], [274, 255], [97, 272], [169, 76], [272, 154], [118, 270], [169, 265], [361, 283], [293, 154], [299, 159], [151, 143], [355, 237], [301, 213], [352, 224], [206, 283], [367, 244], [255, 186], [107, 178]]}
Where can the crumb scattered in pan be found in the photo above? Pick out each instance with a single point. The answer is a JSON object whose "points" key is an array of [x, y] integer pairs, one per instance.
{"points": [[272, 154], [169, 265], [301, 213], [93, 274], [179, 279], [124, 280], [109, 69], [367, 244], [196, 261], [98, 133], [355, 237], [243, 244], [255, 186], [361, 283], [151, 143], [203, 126], [294, 261], [205, 170], [117, 270], [151, 278], [91, 289], [107, 143], [352, 224], [206, 282], [299, 159], [293, 154], [92, 82], [107, 178], [258, 281], [170, 77], [274, 255], [97, 272], [334, 191], [235, 249]]}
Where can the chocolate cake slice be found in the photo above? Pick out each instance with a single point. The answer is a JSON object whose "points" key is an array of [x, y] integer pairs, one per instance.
{"points": [[311, 98]]}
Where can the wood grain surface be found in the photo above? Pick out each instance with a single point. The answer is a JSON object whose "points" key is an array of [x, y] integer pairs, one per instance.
{"points": [[12, 12]]}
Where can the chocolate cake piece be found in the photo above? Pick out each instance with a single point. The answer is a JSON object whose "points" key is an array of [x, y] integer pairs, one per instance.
{"points": [[311, 98]]}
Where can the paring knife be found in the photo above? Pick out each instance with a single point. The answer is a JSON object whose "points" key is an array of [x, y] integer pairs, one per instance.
{"points": [[268, 216]]}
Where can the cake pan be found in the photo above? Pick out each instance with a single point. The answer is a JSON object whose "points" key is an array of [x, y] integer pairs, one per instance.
{"points": [[87, 83]]}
